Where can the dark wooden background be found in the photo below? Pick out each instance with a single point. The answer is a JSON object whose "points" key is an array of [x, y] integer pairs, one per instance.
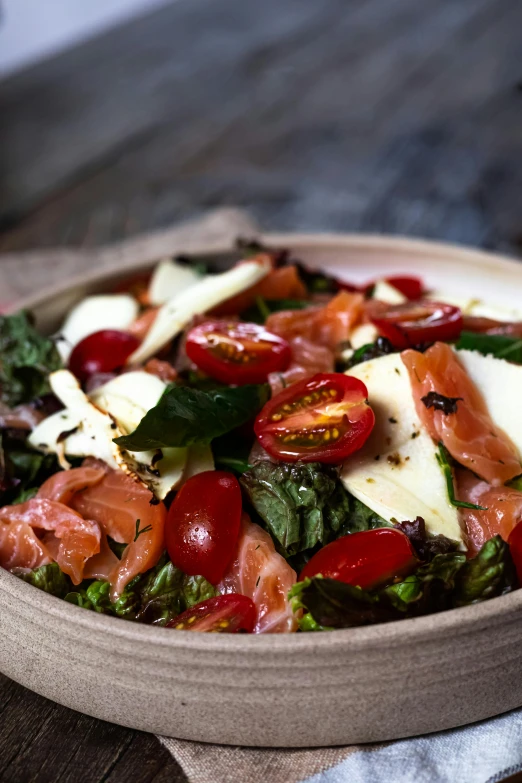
{"points": [[400, 116]]}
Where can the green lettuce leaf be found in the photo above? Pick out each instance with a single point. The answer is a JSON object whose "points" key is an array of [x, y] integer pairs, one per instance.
{"points": [[301, 504], [499, 345], [154, 598], [22, 470], [185, 416], [490, 573], [27, 358], [48, 578]]}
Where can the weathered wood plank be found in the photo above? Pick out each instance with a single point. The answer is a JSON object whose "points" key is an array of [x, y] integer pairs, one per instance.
{"points": [[42, 742]]}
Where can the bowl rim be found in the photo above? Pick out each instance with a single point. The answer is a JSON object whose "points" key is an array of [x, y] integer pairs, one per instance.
{"points": [[381, 634]]}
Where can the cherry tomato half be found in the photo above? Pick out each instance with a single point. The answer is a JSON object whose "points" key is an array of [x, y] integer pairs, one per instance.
{"points": [[412, 323], [367, 559], [515, 547], [410, 287], [324, 418], [101, 352], [223, 614], [203, 523], [237, 352]]}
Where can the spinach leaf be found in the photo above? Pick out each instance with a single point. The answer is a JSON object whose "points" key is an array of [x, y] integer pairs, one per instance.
{"points": [[185, 416], [27, 358], [301, 504], [445, 463], [491, 572], [499, 345], [154, 598], [48, 578], [362, 518]]}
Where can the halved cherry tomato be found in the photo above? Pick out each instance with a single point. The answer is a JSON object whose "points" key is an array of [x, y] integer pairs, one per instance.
{"points": [[412, 323], [100, 352], [203, 523], [222, 614], [367, 559], [237, 352], [325, 418], [410, 287], [515, 547]]}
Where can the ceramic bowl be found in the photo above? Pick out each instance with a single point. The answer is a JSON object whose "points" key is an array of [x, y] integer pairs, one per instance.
{"points": [[351, 686]]}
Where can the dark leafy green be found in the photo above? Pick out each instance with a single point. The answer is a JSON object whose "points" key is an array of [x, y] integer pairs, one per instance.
{"points": [[491, 572], [426, 546], [185, 416], [300, 504], [48, 578], [304, 504], [499, 345], [445, 463], [154, 598], [381, 347], [26, 360], [447, 581], [22, 470]]}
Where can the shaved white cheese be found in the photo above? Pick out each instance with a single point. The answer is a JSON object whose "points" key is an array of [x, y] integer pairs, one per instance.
{"points": [[200, 459], [127, 399], [199, 298], [169, 279], [104, 311], [87, 426], [478, 307], [362, 335], [500, 383], [388, 293], [396, 473], [92, 431]]}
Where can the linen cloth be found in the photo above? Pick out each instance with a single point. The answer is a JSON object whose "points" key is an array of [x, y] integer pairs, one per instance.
{"points": [[487, 752]]}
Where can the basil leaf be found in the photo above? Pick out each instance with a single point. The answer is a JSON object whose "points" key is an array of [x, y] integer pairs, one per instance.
{"points": [[27, 360], [48, 578], [499, 345], [491, 572], [443, 457], [185, 416]]}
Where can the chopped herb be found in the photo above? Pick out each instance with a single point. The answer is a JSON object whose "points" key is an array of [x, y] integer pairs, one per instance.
{"points": [[444, 459], [143, 530], [381, 347]]}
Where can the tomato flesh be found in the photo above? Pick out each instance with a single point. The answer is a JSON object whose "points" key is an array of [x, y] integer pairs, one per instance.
{"points": [[101, 352], [367, 559], [515, 547], [413, 323], [237, 352], [410, 287], [325, 418], [223, 614], [203, 524]]}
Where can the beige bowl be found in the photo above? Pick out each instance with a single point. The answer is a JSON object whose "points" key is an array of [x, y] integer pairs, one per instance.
{"points": [[358, 685]]}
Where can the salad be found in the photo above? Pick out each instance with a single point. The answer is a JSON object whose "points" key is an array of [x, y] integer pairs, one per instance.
{"points": [[266, 449]]}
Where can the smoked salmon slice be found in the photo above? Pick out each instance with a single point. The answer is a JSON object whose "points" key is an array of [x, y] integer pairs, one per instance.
{"points": [[327, 326], [62, 486], [469, 433], [67, 538], [263, 575], [117, 503], [502, 509]]}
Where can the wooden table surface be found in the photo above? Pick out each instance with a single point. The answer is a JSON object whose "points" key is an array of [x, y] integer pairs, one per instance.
{"points": [[374, 115]]}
